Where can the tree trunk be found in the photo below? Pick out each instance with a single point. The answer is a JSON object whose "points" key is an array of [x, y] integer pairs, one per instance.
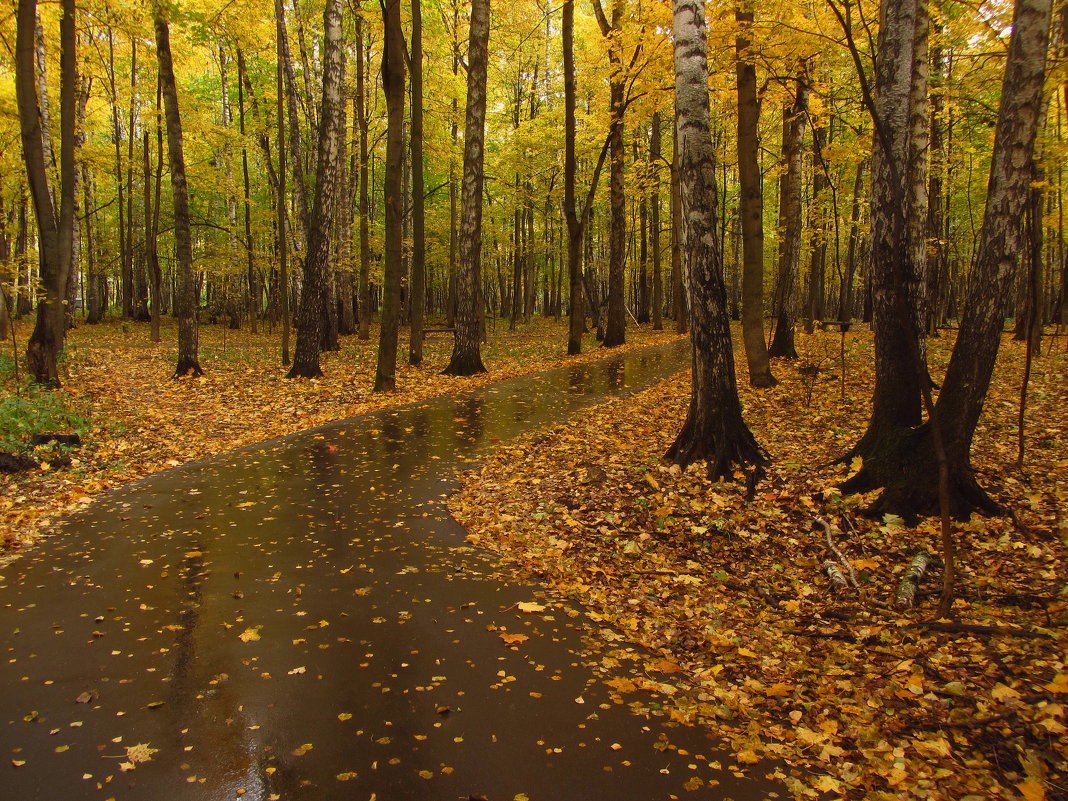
{"points": [[793, 134], [312, 315], [819, 227], [466, 356], [714, 429], [1001, 239], [250, 257], [678, 290], [393, 84], [845, 291], [186, 300], [751, 207], [894, 285], [418, 283], [55, 226], [654, 224], [576, 312], [616, 318], [364, 289]]}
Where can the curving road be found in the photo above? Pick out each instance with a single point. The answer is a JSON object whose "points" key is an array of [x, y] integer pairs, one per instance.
{"points": [[302, 620]]}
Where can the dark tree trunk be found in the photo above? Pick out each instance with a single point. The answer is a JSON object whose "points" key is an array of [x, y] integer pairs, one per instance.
{"points": [[1001, 239], [418, 284], [55, 226], [793, 133], [894, 284], [576, 311], [364, 289], [393, 84], [714, 429], [313, 312], [654, 224], [751, 207], [466, 356], [845, 291], [819, 225], [616, 318], [186, 298]]}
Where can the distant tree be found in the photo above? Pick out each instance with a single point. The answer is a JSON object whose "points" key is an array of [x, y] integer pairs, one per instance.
{"points": [[751, 205], [466, 355], [55, 226], [186, 301], [418, 299], [795, 119], [393, 84], [714, 429], [616, 318]]}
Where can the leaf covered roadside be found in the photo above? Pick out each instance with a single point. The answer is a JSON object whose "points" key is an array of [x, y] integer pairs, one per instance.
{"points": [[135, 419], [724, 605]]}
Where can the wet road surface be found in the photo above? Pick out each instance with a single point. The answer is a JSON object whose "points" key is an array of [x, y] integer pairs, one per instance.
{"points": [[302, 620]]}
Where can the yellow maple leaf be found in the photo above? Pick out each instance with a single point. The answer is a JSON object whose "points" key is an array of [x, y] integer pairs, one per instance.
{"points": [[250, 634]]}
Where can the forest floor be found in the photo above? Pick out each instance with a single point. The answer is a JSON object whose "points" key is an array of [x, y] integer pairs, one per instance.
{"points": [[718, 612], [134, 418]]}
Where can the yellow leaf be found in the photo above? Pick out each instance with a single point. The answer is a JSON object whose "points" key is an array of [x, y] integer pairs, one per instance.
{"points": [[1032, 790], [344, 777], [513, 639], [344, 716], [1059, 684], [530, 607], [250, 634]]}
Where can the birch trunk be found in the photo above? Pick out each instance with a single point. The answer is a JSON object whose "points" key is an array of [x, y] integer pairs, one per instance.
{"points": [[466, 356], [714, 429]]}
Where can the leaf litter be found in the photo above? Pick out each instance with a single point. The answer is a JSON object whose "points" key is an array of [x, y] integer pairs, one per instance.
{"points": [[725, 604]]}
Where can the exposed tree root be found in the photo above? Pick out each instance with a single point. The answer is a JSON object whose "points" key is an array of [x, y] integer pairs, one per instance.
{"points": [[903, 464]]}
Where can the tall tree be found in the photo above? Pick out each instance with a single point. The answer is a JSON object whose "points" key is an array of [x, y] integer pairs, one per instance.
{"points": [[186, 301], [1001, 239], [55, 227], [393, 84], [751, 205], [363, 289], [616, 322], [899, 368], [311, 317], [795, 119], [466, 355], [714, 429], [418, 283]]}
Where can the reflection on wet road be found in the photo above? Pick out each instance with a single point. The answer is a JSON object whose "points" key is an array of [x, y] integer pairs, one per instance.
{"points": [[302, 620]]}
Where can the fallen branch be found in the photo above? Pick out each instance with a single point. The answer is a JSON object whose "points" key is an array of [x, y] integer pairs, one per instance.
{"points": [[837, 578], [838, 554], [906, 590], [824, 635], [974, 628]]}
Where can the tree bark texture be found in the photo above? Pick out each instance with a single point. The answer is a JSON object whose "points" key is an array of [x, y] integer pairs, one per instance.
{"points": [[312, 315], [418, 282], [795, 118], [466, 355], [751, 207], [55, 226], [393, 84], [186, 301], [714, 429]]}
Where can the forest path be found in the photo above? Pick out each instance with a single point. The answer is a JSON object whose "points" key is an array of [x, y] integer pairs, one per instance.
{"points": [[301, 619]]}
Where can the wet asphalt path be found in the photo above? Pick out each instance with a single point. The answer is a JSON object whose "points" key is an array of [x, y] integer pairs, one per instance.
{"points": [[302, 620]]}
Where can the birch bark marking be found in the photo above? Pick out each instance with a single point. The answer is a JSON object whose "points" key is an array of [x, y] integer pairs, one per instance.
{"points": [[466, 356], [714, 429]]}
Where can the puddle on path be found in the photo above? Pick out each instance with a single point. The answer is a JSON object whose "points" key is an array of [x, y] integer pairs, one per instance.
{"points": [[302, 620]]}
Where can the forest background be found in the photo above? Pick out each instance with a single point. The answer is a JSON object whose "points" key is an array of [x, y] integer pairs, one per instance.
{"points": [[249, 80]]}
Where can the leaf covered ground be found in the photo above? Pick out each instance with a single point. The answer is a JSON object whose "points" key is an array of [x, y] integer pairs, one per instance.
{"points": [[720, 615], [135, 419]]}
